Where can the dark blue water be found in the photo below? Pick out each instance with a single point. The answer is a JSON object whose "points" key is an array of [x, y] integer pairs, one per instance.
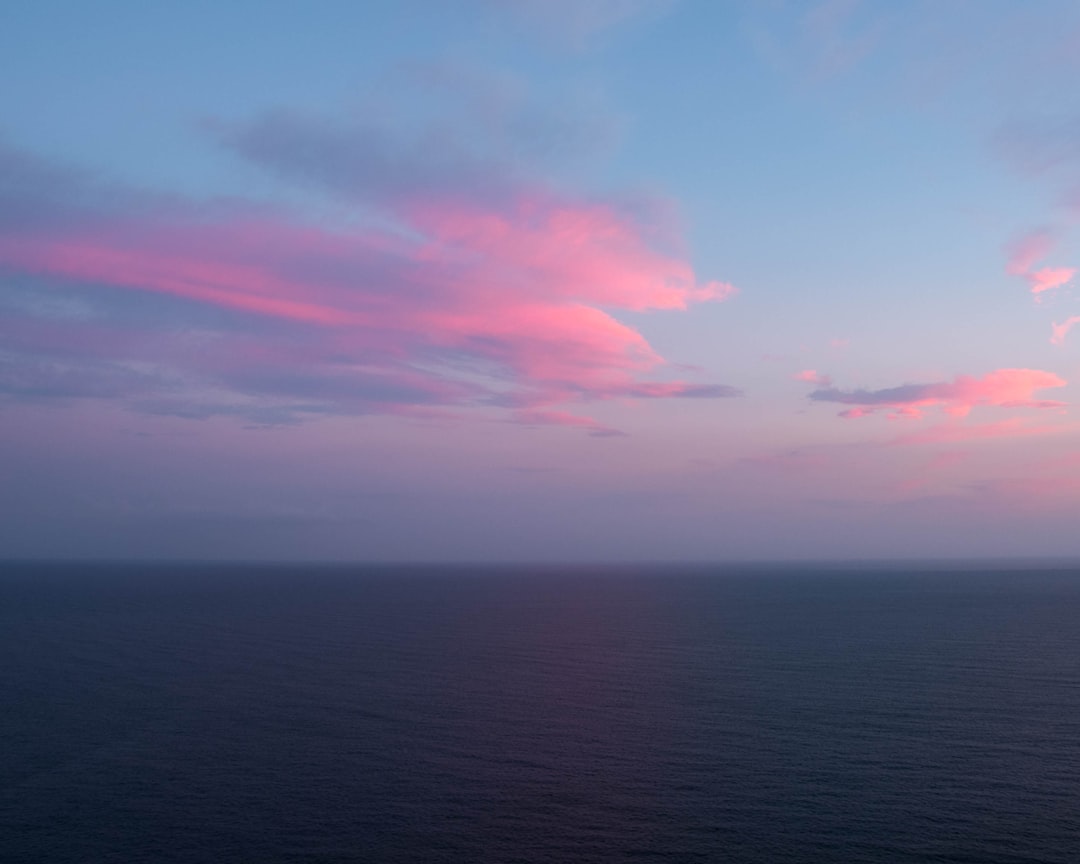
{"points": [[210, 714]]}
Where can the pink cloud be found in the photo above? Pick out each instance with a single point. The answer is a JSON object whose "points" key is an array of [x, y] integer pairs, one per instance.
{"points": [[1003, 388], [563, 418], [250, 287], [520, 293], [1048, 278], [811, 376], [1060, 331], [1028, 251]]}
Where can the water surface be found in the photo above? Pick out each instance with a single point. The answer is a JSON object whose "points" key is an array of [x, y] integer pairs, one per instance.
{"points": [[764, 714]]}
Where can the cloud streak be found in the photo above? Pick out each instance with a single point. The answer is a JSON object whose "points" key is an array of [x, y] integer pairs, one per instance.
{"points": [[576, 24], [1003, 388], [812, 376], [452, 297], [1060, 331], [1028, 251], [1048, 278], [954, 432]]}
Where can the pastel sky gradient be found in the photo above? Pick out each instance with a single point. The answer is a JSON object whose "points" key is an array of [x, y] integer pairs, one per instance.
{"points": [[536, 280]]}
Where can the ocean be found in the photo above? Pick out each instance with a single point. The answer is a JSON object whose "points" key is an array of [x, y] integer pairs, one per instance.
{"points": [[854, 713]]}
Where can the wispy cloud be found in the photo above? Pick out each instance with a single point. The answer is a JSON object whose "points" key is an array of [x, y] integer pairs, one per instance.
{"points": [[817, 40], [790, 461], [1003, 388], [955, 432], [1060, 331], [480, 137], [576, 24], [1048, 278], [812, 376], [536, 417], [1029, 250], [1038, 145], [472, 283]]}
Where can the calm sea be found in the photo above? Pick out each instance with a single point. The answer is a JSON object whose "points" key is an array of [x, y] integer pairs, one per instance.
{"points": [[277, 714]]}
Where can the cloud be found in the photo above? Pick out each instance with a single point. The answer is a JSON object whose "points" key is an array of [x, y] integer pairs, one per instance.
{"points": [[839, 39], [1060, 331], [811, 376], [562, 418], [1051, 147], [1003, 388], [452, 297], [1071, 201], [1048, 278], [479, 137], [575, 24], [957, 433], [39, 194], [819, 40], [789, 461], [1026, 252], [1037, 145], [358, 158], [34, 378]]}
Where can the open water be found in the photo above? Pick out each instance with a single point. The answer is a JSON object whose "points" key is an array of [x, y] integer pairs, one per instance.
{"points": [[761, 714]]}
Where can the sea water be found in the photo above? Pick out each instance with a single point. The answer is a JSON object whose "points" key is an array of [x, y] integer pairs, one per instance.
{"points": [[856, 713]]}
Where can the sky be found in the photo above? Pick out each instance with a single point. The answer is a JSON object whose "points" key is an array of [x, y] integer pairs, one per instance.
{"points": [[540, 280]]}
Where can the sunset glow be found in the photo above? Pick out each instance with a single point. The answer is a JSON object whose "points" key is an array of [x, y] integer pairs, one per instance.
{"points": [[494, 282]]}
